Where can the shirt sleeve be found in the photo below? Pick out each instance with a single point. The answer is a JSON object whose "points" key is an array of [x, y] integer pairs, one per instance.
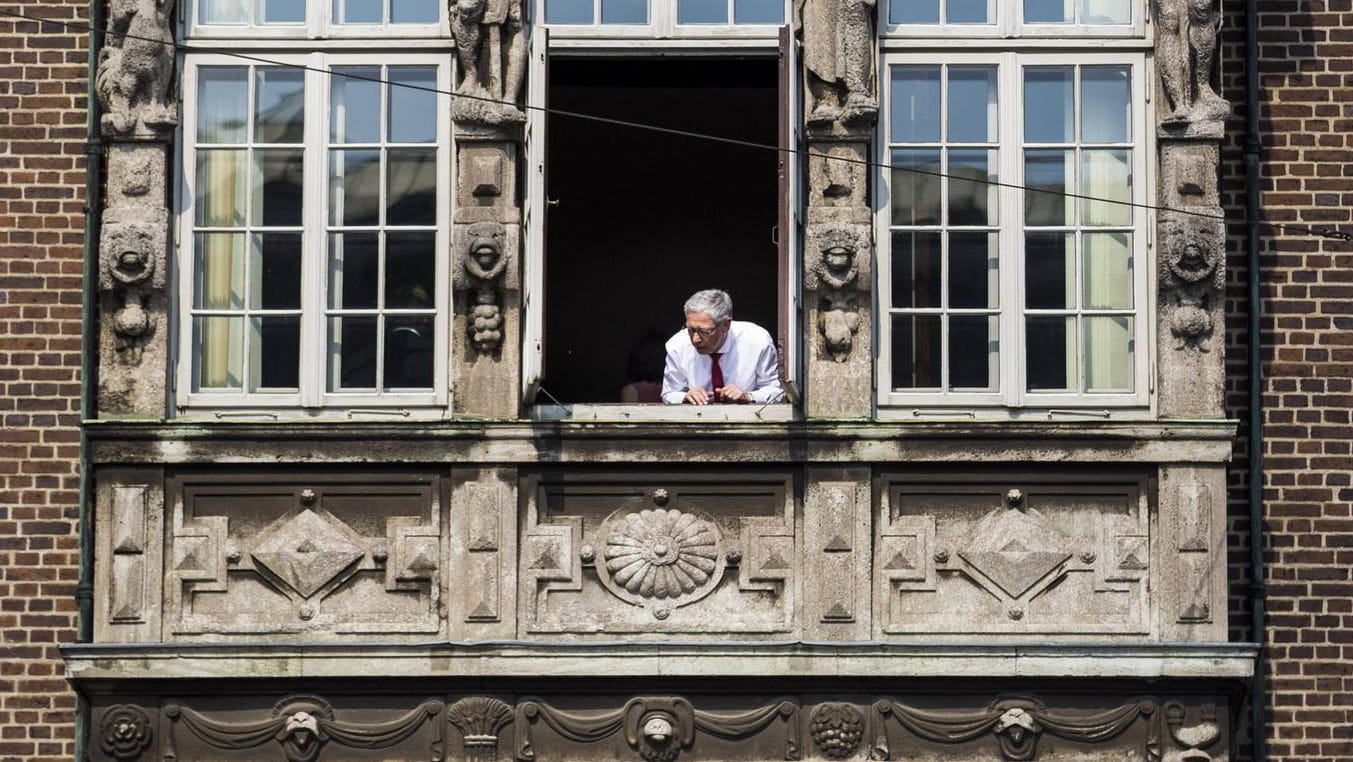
{"points": [[674, 381], [768, 388]]}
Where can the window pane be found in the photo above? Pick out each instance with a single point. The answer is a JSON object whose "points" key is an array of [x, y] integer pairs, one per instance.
{"points": [[916, 351], [355, 104], [1050, 271], [970, 11], [1108, 270], [758, 12], [1050, 353], [973, 344], [1048, 182], [413, 11], [408, 352], [352, 353], [354, 270], [222, 101], [218, 267], [916, 269], [410, 270], [1048, 104], [1047, 11], [973, 280], [283, 11], [222, 187], [702, 12], [913, 12], [411, 196], [972, 189], [277, 272], [624, 11], [413, 104], [1106, 12], [277, 187], [972, 104], [218, 362], [916, 187], [279, 112], [1106, 104], [1108, 354], [358, 11], [277, 362], [1106, 175], [915, 104], [568, 11], [223, 12], [355, 187]]}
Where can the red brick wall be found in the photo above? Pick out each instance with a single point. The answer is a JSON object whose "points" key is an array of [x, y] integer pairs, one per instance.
{"points": [[42, 134], [1306, 121]]}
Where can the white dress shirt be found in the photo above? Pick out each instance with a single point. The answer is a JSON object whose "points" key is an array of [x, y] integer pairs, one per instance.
{"points": [[747, 359]]}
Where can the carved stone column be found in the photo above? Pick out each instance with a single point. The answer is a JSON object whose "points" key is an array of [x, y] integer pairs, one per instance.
{"points": [[486, 230], [139, 113], [840, 74], [1190, 234]]}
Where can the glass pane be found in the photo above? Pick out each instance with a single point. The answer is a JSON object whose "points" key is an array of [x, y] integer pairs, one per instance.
{"points": [[218, 358], [1048, 182], [568, 11], [1047, 11], [1106, 175], [916, 187], [358, 11], [624, 11], [1050, 353], [277, 272], [916, 351], [412, 191], [1107, 271], [354, 270], [972, 192], [973, 279], [283, 11], [1106, 12], [413, 11], [1106, 104], [408, 352], [277, 364], [758, 11], [352, 353], [1048, 104], [915, 104], [355, 105], [279, 112], [1050, 271], [223, 12], [974, 341], [1108, 354], [410, 270], [222, 187], [413, 104], [355, 187], [277, 190], [916, 270], [218, 269], [222, 100], [972, 104], [702, 12], [913, 12], [970, 11]]}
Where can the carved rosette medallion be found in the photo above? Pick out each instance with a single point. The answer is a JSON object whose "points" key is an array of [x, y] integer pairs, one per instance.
{"points": [[124, 731], [662, 558], [837, 729]]}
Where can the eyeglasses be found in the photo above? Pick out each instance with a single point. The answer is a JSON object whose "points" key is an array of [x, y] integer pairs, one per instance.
{"points": [[703, 333]]}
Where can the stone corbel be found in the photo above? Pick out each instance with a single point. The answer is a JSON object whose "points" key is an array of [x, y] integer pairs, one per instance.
{"points": [[837, 253]]}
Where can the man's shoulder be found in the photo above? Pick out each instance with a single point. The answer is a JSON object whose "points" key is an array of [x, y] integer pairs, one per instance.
{"points": [[751, 332], [677, 341]]}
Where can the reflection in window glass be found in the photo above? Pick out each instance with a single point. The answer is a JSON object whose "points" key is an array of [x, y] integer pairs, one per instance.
{"points": [[568, 11], [914, 12], [624, 11], [355, 104], [413, 104], [915, 104], [758, 12], [702, 11]]}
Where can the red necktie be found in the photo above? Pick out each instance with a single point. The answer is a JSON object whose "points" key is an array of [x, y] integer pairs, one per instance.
{"points": [[715, 375]]}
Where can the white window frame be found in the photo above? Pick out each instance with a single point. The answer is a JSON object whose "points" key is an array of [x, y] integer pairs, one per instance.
{"points": [[1011, 399], [311, 396], [1009, 24], [318, 24], [662, 27]]}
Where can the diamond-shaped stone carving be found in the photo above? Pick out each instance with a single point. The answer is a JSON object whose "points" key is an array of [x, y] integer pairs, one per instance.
{"points": [[1015, 550], [307, 551]]}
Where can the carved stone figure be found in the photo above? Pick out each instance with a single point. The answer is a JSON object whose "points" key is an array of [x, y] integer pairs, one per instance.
{"points": [[485, 262], [1017, 732], [492, 53], [129, 254], [1191, 275], [837, 729], [838, 54], [1186, 47], [124, 732], [836, 277], [135, 77]]}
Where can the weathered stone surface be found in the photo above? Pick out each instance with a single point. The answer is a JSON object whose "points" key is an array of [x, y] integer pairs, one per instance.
{"points": [[838, 61], [483, 522], [1193, 511], [1190, 311], [837, 586], [129, 554], [1186, 46], [491, 49], [135, 82]]}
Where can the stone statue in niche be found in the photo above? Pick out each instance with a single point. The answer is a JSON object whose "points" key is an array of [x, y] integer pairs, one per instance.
{"points": [[838, 54], [485, 261], [1191, 275], [836, 274], [135, 77], [129, 254], [1186, 46], [491, 49]]}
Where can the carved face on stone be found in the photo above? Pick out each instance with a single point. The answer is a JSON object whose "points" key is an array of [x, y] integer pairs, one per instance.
{"points": [[302, 729], [1018, 731], [484, 250], [658, 729]]}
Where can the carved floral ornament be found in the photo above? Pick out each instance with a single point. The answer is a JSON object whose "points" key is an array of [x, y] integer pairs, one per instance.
{"points": [[660, 558], [124, 732]]}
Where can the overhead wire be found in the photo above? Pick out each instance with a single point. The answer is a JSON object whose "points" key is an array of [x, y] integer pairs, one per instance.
{"points": [[1328, 233]]}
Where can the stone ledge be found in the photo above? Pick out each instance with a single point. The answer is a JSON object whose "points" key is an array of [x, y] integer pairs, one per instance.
{"points": [[1213, 661]]}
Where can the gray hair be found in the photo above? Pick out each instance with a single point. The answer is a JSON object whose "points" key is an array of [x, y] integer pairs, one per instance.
{"points": [[713, 302]]}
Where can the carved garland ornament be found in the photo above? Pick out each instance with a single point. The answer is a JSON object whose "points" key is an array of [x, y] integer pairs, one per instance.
{"points": [[661, 557]]}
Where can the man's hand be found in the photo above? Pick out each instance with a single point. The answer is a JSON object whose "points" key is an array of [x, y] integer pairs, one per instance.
{"points": [[696, 396], [733, 393]]}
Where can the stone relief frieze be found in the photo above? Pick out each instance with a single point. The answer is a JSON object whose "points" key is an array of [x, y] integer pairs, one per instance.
{"points": [[837, 729], [699, 556], [1041, 558], [339, 557]]}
